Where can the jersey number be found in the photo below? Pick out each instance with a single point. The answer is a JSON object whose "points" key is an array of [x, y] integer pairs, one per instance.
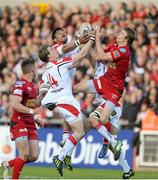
{"points": [[113, 113], [51, 80]]}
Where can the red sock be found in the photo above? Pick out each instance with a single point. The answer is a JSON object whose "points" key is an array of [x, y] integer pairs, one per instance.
{"points": [[98, 125], [73, 139], [11, 162], [108, 127], [18, 165]]}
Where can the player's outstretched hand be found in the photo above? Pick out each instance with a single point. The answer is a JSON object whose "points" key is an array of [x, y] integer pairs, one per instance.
{"points": [[39, 110], [98, 33], [84, 39], [40, 123]]}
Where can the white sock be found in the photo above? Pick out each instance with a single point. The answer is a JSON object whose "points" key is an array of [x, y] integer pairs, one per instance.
{"points": [[68, 147], [66, 135], [69, 153], [104, 132], [123, 162]]}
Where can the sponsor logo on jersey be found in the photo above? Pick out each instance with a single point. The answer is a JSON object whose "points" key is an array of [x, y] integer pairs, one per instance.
{"points": [[116, 54], [19, 83], [17, 91], [29, 88], [123, 50], [23, 130], [114, 96]]}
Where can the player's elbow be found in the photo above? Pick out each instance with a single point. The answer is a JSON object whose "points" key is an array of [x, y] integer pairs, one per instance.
{"points": [[12, 104]]}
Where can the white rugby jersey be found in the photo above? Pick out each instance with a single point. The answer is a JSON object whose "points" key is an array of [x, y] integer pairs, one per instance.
{"points": [[57, 76], [58, 47]]}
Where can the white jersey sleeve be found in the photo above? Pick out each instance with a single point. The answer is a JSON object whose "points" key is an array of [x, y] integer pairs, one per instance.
{"points": [[58, 47]]}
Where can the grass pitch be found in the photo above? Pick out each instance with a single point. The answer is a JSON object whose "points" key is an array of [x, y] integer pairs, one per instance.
{"points": [[50, 173]]}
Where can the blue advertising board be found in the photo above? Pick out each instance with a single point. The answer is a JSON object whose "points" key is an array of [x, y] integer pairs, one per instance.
{"points": [[85, 155]]}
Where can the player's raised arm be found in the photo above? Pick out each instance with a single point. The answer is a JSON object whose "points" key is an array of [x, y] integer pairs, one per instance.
{"points": [[101, 55], [72, 45], [78, 57], [59, 38], [92, 56]]}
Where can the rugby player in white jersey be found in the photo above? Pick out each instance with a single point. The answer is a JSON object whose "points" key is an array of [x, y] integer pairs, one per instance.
{"points": [[60, 94], [66, 49], [49, 101]]}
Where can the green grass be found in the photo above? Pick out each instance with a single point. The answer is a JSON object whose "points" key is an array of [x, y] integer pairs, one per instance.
{"points": [[50, 173]]}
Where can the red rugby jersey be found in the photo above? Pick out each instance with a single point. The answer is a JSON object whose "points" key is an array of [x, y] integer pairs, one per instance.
{"points": [[28, 91]]}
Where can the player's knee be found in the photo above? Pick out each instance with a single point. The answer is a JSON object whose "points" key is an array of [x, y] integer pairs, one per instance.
{"points": [[33, 157], [104, 119], [25, 157], [94, 118], [80, 134]]}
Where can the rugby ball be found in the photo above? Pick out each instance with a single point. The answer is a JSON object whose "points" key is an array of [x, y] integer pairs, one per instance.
{"points": [[85, 28]]}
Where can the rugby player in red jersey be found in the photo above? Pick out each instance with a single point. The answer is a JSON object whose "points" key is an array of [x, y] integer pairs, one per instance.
{"points": [[23, 129], [111, 84]]}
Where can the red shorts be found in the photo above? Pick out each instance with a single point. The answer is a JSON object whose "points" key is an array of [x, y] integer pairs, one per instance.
{"points": [[109, 93], [19, 131]]}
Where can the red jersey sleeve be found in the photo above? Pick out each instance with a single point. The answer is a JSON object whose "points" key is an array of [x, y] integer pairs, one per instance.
{"points": [[120, 53], [19, 88], [106, 49]]}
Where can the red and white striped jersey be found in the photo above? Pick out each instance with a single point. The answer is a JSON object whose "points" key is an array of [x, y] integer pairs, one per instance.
{"points": [[58, 77], [58, 47]]}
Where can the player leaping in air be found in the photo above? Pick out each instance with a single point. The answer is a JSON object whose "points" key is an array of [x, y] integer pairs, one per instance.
{"points": [[61, 96], [111, 84]]}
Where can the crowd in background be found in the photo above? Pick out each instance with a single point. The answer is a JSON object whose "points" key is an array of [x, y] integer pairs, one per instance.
{"points": [[23, 29]]}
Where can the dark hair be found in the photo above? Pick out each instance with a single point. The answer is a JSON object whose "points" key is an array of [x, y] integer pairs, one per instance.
{"points": [[131, 35], [55, 30], [43, 53], [25, 65]]}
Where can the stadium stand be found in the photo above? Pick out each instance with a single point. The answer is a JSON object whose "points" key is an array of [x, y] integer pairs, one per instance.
{"points": [[25, 27]]}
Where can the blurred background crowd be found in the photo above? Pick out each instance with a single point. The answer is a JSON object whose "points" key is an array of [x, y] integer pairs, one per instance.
{"points": [[24, 28]]}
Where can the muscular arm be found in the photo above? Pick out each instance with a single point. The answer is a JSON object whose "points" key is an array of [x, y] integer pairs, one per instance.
{"points": [[16, 104], [100, 52], [78, 57], [39, 98], [93, 57], [68, 47], [72, 45]]}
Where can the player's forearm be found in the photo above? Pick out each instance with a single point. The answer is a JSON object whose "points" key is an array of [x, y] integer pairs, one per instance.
{"points": [[92, 57], [100, 52], [21, 108], [85, 49], [68, 47], [39, 98]]}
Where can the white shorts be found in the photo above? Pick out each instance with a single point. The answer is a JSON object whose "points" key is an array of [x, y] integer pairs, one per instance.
{"points": [[115, 116], [68, 108]]}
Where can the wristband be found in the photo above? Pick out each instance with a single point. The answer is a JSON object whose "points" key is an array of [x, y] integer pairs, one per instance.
{"points": [[92, 38], [32, 111], [77, 43]]}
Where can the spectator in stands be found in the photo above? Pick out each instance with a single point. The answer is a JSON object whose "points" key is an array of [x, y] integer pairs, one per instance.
{"points": [[24, 28]]}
